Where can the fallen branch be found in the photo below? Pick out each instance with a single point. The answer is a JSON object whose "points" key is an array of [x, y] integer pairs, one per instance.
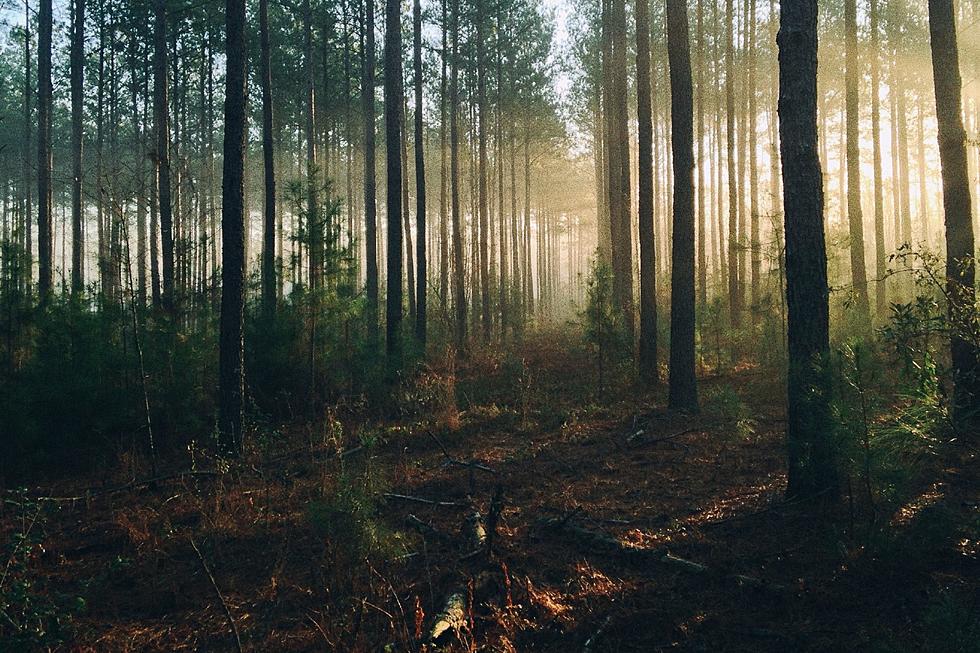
{"points": [[637, 438], [471, 464], [92, 493], [221, 599], [425, 529], [429, 502], [592, 641]]}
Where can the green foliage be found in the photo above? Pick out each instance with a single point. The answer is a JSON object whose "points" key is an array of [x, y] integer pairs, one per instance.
{"points": [[73, 395], [350, 524], [886, 439], [952, 624], [31, 618], [603, 329], [724, 405]]}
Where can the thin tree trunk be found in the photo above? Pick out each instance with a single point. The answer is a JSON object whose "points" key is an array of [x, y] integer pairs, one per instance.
{"points": [[393, 167], [370, 183], [231, 358], [77, 72], [45, 235], [859, 275], [881, 298], [701, 161], [648, 253], [733, 279], [161, 121], [444, 163], [269, 167], [420, 291], [755, 246]]}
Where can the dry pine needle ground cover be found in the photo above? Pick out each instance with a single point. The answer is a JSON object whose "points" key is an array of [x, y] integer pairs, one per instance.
{"points": [[612, 526]]}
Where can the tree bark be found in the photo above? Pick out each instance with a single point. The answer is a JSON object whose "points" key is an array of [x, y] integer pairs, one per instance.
{"points": [[420, 291], [161, 120], [459, 287], [683, 393], [648, 252], [482, 165], [370, 176], [393, 167], [231, 361], [77, 72], [881, 298], [855, 218], [812, 469], [735, 306], [45, 252], [960, 262], [269, 284]]}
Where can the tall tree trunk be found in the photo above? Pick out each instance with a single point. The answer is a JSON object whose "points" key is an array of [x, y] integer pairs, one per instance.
{"points": [[903, 159], [161, 122], [683, 393], [370, 175], [406, 220], [755, 246], [701, 160], [482, 166], [733, 257], [619, 160], [28, 272], [314, 228], [960, 263], [420, 291], [45, 235], [648, 252], [139, 120], [812, 467], [77, 72], [921, 170], [444, 162], [393, 167], [269, 167], [855, 218], [459, 287], [231, 356], [881, 298], [501, 215]]}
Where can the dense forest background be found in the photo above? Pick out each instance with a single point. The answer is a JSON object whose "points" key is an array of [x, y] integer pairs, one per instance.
{"points": [[356, 235]]}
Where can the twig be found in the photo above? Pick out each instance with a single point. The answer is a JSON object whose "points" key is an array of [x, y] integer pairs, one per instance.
{"points": [[221, 599]]}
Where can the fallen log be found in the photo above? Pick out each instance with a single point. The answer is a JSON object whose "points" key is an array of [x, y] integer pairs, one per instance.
{"points": [[452, 617]]}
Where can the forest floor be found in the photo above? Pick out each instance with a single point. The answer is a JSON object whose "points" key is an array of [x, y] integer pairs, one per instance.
{"points": [[308, 543]]}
